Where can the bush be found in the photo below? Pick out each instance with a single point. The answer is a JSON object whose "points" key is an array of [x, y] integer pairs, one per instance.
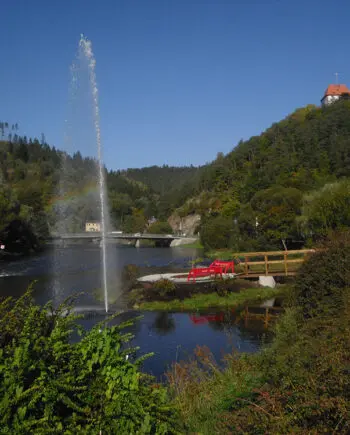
{"points": [[324, 276], [49, 384], [130, 273], [136, 296], [164, 287]]}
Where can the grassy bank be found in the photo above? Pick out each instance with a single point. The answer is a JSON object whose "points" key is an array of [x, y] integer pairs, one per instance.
{"points": [[213, 300]]}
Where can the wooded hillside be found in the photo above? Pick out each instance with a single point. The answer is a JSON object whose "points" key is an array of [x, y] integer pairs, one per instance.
{"points": [[287, 184]]}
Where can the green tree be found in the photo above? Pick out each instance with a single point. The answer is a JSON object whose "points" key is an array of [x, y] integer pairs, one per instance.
{"points": [[134, 223], [276, 209], [160, 227], [326, 209], [9, 206], [216, 232]]}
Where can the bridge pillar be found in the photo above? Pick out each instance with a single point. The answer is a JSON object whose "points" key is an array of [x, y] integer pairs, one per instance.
{"points": [[137, 244]]}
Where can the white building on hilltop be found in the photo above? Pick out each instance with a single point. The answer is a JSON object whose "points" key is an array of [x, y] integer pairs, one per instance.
{"points": [[334, 93]]}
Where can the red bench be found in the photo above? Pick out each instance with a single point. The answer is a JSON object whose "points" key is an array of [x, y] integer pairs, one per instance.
{"points": [[217, 267], [197, 272], [226, 266]]}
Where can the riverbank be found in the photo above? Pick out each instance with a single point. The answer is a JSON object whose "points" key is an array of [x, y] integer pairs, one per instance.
{"points": [[202, 301], [195, 245], [298, 384]]}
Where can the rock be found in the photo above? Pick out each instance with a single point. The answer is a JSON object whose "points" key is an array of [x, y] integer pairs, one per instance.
{"points": [[267, 281], [184, 225], [269, 303], [184, 241]]}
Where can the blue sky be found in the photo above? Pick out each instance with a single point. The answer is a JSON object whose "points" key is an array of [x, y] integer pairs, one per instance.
{"points": [[179, 80]]}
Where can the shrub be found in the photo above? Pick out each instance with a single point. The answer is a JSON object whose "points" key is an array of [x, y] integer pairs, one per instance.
{"points": [[130, 273], [323, 277], [136, 296], [49, 384], [164, 287]]}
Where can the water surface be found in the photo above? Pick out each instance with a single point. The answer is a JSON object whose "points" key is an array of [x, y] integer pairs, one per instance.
{"points": [[171, 336]]}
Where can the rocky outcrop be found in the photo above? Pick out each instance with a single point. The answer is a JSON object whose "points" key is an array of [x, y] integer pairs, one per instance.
{"points": [[184, 225], [184, 241]]}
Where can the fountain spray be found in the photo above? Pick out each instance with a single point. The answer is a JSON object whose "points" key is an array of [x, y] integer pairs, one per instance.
{"points": [[86, 49]]}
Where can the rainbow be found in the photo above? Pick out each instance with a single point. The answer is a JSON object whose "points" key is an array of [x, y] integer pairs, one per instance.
{"points": [[88, 189]]}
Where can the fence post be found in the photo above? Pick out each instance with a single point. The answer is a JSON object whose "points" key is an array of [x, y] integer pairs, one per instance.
{"points": [[246, 265], [285, 263], [266, 317], [266, 266]]}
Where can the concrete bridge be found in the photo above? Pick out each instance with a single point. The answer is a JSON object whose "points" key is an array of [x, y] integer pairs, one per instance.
{"points": [[159, 239]]}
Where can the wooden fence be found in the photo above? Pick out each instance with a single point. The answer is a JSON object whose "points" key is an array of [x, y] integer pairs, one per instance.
{"points": [[275, 263]]}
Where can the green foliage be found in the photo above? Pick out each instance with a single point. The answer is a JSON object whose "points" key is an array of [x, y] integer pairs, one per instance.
{"points": [[160, 227], [134, 224], [164, 287], [276, 209], [216, 232], [321, 280], [326, 209], [9, 207], [136, 296], [50, 383], [163, 179], [130, 272], [211, 300]]}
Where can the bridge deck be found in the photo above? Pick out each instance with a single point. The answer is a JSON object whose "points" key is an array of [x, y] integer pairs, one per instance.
{"points": [[98, 235]]}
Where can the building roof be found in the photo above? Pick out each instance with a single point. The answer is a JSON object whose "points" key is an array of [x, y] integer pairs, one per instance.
{"points": [[336, 90]]}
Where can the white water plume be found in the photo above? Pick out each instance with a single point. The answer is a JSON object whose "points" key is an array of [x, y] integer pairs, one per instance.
{"points": [[86, 48]]}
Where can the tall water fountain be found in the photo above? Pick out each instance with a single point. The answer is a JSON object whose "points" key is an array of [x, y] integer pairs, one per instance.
{"points": [[86, 48], [84, 195]]}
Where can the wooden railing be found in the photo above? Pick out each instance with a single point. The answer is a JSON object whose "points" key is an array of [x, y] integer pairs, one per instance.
{"points": [[264, 265]]}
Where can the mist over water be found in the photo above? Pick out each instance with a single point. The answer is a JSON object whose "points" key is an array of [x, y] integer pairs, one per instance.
{"points": [[82, 194]]}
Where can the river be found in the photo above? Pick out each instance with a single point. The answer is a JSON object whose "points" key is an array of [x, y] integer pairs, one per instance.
{"points": [[171, 336]]}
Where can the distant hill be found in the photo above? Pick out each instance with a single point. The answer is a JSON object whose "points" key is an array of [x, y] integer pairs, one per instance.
{"points": [[163, 179]]}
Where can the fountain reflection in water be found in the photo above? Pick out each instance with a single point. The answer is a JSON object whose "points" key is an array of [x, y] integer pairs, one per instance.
{"points": [[83, 197]]}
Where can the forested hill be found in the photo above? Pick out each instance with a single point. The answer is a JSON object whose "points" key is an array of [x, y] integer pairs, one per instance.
{"points": [[263, 184], [303, 150], [163, 179], [273, 187], [30, 192]]}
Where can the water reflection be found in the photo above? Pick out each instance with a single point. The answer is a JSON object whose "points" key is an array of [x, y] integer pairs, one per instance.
{"points": [[164, 323], [170, 336]]}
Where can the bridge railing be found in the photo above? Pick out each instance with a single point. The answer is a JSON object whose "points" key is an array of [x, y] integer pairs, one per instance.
{"points": [[271, 262]]}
